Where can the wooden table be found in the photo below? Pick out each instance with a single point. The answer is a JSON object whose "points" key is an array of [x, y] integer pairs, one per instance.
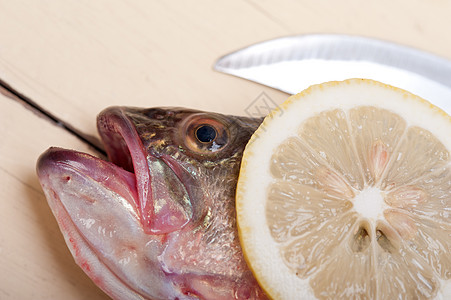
{"points": [[74, 58]]}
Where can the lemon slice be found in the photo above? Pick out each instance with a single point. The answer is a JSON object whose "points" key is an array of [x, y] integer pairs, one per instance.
{"points": [[345, 193]]}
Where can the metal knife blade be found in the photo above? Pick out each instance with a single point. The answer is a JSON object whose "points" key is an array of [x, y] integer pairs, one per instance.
{"points": [[291, 64]]}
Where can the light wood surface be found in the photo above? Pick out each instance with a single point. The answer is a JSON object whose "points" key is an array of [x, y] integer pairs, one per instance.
{"points": [[75, 58], [34, 260]]}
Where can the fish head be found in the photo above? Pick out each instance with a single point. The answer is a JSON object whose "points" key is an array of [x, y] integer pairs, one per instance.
{"points": [[156, 221]]}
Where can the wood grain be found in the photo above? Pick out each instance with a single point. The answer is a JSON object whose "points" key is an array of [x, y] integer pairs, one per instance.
{"points": [[74, 58]]}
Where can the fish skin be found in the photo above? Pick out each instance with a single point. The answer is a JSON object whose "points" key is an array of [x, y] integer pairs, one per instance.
{"points": [[158, 221]]}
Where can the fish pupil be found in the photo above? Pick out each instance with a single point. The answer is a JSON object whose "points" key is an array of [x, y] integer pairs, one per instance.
{"points": [[205, 133]]}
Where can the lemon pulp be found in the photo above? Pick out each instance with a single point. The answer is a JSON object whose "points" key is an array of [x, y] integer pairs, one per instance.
{"points": [[353, 198]]}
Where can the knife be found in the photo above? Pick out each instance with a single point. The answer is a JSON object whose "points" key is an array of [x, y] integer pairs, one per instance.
{"points": [[293, 63]]}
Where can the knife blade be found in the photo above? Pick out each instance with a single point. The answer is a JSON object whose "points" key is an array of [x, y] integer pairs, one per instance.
{"points": [[293, 63]]}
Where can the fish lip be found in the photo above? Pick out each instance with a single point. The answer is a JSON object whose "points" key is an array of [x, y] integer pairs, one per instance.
{"points": [[121, 140], [125, 149], [64, 163]]}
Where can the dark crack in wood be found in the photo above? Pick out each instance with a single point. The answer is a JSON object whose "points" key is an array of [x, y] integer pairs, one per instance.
{"points": [[13, 94]]}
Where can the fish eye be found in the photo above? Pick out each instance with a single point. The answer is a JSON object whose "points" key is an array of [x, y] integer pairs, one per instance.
{"points": [[206, 133]]}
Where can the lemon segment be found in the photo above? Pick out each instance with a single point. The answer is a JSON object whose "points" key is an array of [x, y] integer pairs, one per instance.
{"points": [[345, 192]]}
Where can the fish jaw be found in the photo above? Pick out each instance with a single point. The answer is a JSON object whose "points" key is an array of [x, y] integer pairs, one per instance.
{"points": [[160, 210], [93, 202]]}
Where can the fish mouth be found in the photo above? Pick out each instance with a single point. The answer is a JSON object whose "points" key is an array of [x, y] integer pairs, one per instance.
{"points": [[156, 186], [108, 211], [125, 149], [164, 200]]}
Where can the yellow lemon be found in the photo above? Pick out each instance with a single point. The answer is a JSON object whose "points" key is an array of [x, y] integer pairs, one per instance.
{"points": [[345, 193]]}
